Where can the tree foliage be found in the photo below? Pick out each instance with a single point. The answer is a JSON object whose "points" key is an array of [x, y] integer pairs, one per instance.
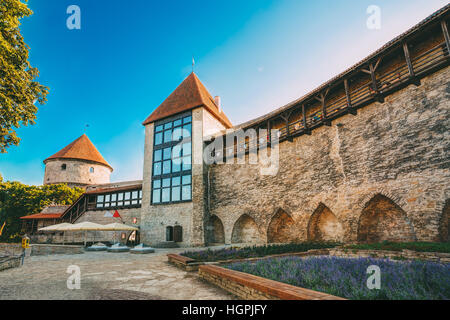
{"points": [[19, 90], [18, 200]]}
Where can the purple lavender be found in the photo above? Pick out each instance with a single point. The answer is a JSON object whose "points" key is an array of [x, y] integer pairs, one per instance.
{"points": [[347, 277]]}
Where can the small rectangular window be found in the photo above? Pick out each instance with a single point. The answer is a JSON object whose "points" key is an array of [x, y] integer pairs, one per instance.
{"points": [[167, 153], [177, 123], [175, 193], [166, 183], [157, 169], [168, 125], [156, 184], [114, 197], [127, 195], [187, 119], [167, 136], [158, 138], [159, 128], [186, 193], [135, 194], [187, 179], [166, 195], [120, 196], [166, 167], [158, 155], [156, 195], [176, 181]]}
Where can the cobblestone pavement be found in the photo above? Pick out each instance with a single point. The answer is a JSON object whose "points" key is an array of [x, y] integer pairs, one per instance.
{"points": [[106, 276]]}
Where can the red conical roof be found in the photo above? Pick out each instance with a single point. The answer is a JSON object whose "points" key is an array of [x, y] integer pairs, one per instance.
{"points": [[83, 149], [190, 94]]}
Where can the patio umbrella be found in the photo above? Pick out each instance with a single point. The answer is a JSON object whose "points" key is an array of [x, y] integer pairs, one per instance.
{"points": [[57, 227], [85, 226]]}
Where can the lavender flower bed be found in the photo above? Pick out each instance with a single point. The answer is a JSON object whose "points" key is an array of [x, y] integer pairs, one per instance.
{"points": [[347, 278]]}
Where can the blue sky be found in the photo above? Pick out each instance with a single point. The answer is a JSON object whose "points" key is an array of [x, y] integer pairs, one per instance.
{"points": [[130, 55]]}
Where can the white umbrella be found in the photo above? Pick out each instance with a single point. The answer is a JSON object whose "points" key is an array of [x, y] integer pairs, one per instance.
{"points": [[56, 227], [85, 226]]}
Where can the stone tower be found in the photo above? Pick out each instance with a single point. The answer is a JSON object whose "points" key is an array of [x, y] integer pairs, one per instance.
{"points": [[174, 179], [79, 164]]}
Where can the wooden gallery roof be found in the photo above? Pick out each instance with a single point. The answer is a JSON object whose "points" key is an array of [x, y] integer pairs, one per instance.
{"points": [[190, 94]]}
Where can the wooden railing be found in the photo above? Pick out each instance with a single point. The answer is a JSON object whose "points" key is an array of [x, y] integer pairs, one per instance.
{"points": [[387, 82]]}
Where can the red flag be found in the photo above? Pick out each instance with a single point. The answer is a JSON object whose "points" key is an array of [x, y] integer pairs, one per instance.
{"points": [[116, 214]]}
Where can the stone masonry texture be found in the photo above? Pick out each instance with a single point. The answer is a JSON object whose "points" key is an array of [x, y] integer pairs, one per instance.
{"points": [[381, 175]]}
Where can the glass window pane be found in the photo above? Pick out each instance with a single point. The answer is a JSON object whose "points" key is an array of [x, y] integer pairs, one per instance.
{"points": [[127, 195], [167, 136], [166, 167], [177, 123], [100, 205], [158, 155], [107, 198], [134, 195], [158, 138], [187, 149], [168, 125], [187, 163], [120, 203], [176, 152], [176, 194], [106, 204], [140, 194], [186, 193], [176, 181], [166, 195], [187, 129], [157, 196], [114, 197], [127, 203], [177, 134], [100, 198], [120, 197], [176, 165], [186, 179], [134, 202], [156, 184], [187, 119], [157, 169], [167, 154], [166, 182], [159, 128]]}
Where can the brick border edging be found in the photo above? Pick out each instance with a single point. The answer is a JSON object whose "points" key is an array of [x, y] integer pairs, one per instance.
{"points": [[251, 287], [189, 264]]}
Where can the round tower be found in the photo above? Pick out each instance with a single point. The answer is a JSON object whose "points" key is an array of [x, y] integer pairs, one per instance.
{"points": [[79, 164]]}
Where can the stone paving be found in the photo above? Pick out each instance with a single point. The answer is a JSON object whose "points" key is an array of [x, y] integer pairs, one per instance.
{"points": [[110, 276]]}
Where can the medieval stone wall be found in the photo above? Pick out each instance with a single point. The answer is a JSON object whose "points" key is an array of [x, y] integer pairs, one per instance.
{"points": [[381, 175], [77, 172]]}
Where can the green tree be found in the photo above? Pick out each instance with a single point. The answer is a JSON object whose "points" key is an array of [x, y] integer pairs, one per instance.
{"points": [[19, 90], [18, 200]]}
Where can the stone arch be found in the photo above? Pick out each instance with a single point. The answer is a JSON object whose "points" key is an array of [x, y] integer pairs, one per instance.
{"points": [[216, 232], [245, 230], [444, 227], [281, 228], [383, 220], [324, 225]]}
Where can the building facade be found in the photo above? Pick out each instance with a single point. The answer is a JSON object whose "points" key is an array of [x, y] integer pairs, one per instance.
{"points": [[363, 158]]}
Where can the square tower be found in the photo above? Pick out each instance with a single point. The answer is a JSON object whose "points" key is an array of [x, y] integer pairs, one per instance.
{"points": [[175, 186]]}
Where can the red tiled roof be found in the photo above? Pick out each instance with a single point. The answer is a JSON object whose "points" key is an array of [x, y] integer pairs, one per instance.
{"points": [[50, 212], [43, 216], [82, 148], [190, 94]]}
